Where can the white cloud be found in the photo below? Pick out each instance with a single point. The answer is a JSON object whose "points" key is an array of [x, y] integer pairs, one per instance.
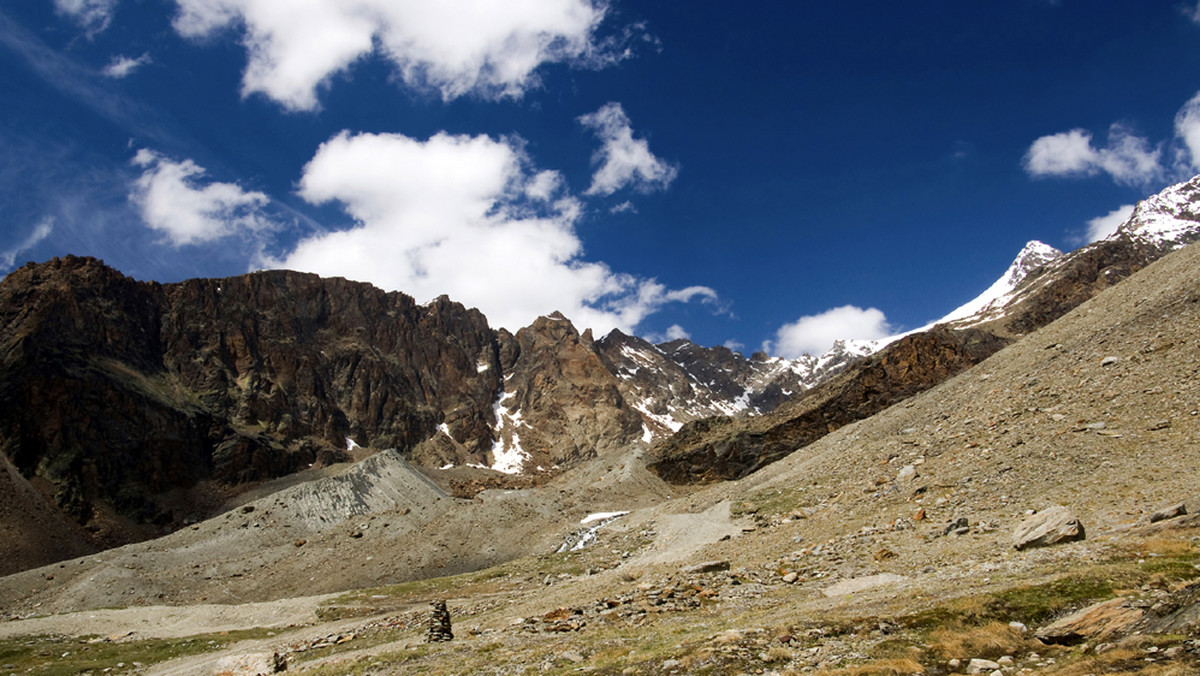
{"points": [[93, 15], [677, 332], [623, 160], [1103, 226], [468, 217], [815, 334], [123, 66], [452, 47], [1187, 130], [42, 231], [1128, 159], [174, 199]]}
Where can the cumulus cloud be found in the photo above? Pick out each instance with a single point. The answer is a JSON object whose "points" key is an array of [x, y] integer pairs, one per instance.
{"points": [[467, 217], [123, 66], [174, 198], [815, 334], [42, 231], [92, 15], [1103, 226], [622, 160], [452, 47], [1129, 159]]}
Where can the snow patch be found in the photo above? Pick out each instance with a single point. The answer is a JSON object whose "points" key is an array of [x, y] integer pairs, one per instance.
{"points": [[581, 540], [507, 455], [602, 516], [351, 445]]}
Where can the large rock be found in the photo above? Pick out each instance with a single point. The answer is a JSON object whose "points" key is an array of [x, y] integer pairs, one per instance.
{"points": [[1048, 527], [1099, 621]]}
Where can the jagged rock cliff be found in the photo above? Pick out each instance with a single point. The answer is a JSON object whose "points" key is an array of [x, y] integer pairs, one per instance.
{"points": [[135, 406]]}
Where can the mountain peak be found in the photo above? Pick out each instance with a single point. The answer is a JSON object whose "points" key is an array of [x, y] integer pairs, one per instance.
{"points": [[1168, 220], [1031, 258]]}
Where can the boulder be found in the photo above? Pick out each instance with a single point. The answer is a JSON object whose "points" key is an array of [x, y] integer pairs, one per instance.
{"points": [[1048, 527], [1169, 513], [1098, 621]]}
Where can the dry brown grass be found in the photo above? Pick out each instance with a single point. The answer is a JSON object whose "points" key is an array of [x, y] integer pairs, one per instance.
{"points": [[989, 641], [891, 667]]}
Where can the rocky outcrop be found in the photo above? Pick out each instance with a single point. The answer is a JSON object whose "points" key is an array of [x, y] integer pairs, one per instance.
{"points": [[135, 407], [726, 448], [559, 404]]}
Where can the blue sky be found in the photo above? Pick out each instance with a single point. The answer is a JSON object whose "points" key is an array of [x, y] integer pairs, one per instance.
{"points": [[758, 178]]}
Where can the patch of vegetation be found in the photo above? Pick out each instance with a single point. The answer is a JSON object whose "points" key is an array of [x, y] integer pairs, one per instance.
{"points": [[60, 655]]}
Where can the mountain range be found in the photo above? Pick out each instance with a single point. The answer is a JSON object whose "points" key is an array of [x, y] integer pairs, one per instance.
{"points": [[230, 476], [130, 409]]}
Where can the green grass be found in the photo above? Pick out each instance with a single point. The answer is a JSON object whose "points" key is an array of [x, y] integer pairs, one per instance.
{"points": [[57, 655]]}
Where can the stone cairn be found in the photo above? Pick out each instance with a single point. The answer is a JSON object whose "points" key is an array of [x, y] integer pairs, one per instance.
{"points": [[439, 623]]}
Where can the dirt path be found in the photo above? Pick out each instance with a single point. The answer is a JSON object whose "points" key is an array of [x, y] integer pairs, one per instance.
{"points": [[170, 621]]}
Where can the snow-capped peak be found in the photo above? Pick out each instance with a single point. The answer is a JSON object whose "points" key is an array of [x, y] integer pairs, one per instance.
{"points": [[1033, 256], [1167, 220]]}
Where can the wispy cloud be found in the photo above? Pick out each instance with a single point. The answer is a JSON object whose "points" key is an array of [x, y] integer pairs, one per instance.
{"points": [[91, 15], [80, 83], [175, 199], [451, 47], [123, 66], [40, 232], [815, 334], [467, 216], [622, 160]]}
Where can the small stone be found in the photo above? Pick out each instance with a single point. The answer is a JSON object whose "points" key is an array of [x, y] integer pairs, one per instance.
{"points": [[706, 567], [791, 577], [954, 663], [1006, 661], [919, 515], [1109, 361], [1019, 627], [979, 666], [908, 473], [301, 542], [960, 524]]}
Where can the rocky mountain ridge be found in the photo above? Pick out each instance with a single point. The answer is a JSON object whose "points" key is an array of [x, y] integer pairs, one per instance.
{"points": [[1040, 286], [128, 409]]}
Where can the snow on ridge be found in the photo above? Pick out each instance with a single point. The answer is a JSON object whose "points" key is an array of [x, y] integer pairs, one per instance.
{"points": [[998, 295], [1172, 217]]}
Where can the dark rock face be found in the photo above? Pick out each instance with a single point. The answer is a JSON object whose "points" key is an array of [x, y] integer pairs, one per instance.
{"points": [[1073, 279], [133, 406], [727, 448], [568, 406]]}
